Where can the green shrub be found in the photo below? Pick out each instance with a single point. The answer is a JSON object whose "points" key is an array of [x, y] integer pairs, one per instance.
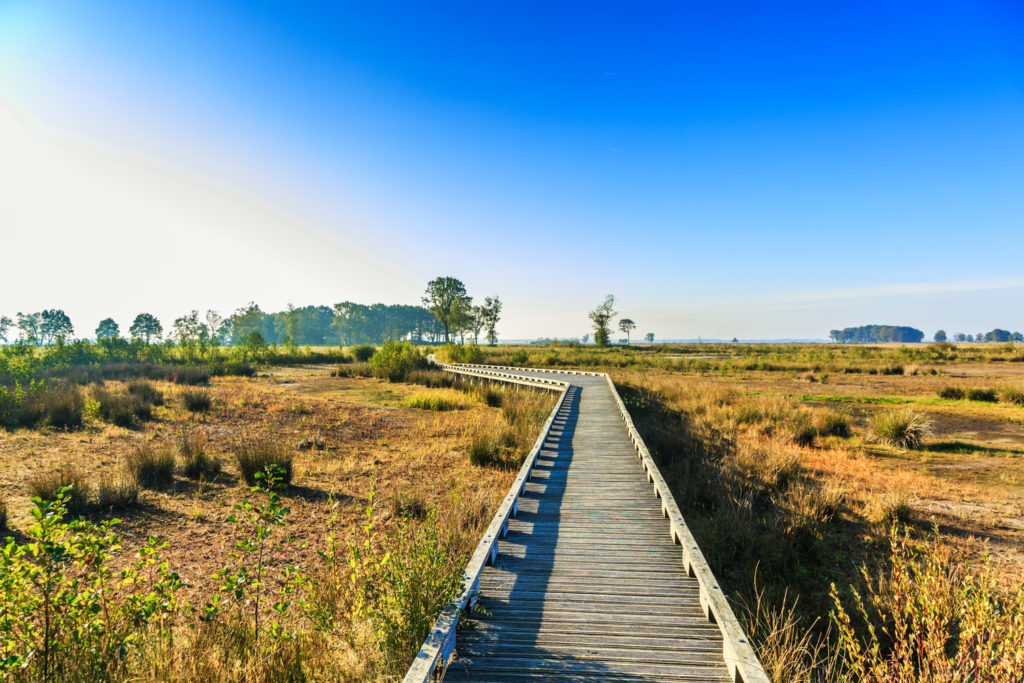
{"points": [[46, 487], [146, 392], [985, 395], [833, 423], [255, 455], [952, 392], [1012, 394], [363, 352], [802, 430], [151, 466], [196, 463], [117, 494], [901, 428], [198, 401], [396, 360], [491, 396]]}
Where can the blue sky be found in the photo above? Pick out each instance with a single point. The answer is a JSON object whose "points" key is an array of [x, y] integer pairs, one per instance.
{"points": [[758, 170]]}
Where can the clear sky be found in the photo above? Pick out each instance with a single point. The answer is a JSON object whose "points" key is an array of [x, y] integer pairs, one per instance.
{"points": [[758, 170]]}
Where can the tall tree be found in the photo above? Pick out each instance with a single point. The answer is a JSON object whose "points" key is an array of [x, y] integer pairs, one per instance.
{"points": [[5, 324], [835, 335], [626, 325], [28, 326], [107, 329], [54, 325], [215, 323], [649, 337], [446, 298], [601, 317], [491, 314], [146, 327], [940, 336]]}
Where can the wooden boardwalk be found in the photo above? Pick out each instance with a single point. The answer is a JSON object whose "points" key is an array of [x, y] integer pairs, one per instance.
{"points": [[588, 583]]}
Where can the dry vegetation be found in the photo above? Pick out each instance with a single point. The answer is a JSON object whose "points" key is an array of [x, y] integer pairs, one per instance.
{"points": [[383, 495]]}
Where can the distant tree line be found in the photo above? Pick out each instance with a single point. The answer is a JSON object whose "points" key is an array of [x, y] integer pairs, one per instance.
{"points": [[448, 312], [868, 334]]}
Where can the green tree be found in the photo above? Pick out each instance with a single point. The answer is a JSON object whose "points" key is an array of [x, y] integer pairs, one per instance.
{"points": [[54, 325], [446, 298], [491, 311], [940, 336], [835, 335], [146, 327], [626, 325], [107, 329], [5, 324], [649, 337], [601, 318], [215, 327], [28, 326]]}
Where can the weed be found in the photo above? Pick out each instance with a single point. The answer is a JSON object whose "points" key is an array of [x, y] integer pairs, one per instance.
{"points": [[410, 504], [254, 456], [151, 466], [197, 401], [491, 396], [901, 428]]}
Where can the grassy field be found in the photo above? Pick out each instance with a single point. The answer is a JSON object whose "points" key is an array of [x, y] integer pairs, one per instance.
{"points": [[353, 443], [785, 464]]}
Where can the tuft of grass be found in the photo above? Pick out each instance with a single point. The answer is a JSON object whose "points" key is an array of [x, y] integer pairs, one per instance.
{"points": [[146, 392], [410, 505], [443, 399], [1012, 393], [3, 515], [191, 375], [491, 397], [435, 379], [255, 455], [765, 466], [952, 392], [984, 395], [64, 405], [901, 428], [802, 431], [886, 508], [197, 400], [121, 408], [46, 486], [196, 463], [353, 370], [118, 494], [151, 466], [832, 423]]}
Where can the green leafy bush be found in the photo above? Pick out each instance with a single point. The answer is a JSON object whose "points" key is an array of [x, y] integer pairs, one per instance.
{"points": [[1012, 394], [396, 360]]}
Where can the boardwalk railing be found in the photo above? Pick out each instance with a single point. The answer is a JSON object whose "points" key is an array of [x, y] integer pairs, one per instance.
{"points": [[737, 652], [433, 657]]}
